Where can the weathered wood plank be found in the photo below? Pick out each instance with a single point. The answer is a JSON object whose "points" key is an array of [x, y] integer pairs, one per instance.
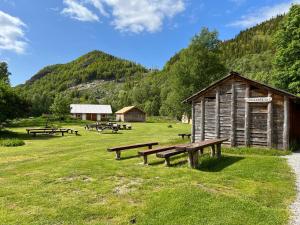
{"points": [[270, 123], [286, 119], [233, 107]]}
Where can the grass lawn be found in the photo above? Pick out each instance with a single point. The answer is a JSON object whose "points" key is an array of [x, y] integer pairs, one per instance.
{"points": [[74, 180]]}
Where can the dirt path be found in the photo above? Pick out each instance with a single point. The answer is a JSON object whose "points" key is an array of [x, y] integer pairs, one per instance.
{"points": [[294, 162]]}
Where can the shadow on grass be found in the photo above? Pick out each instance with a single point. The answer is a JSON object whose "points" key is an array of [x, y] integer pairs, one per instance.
{"points": [[208, 164]]}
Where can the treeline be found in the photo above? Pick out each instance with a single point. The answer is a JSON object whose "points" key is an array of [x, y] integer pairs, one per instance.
{"points": [[268, 52], [11, 105]]}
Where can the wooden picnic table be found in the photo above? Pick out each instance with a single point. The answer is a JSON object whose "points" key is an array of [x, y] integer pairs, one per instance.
{"points": [[193, 151], [39, 129], [194, 148]]}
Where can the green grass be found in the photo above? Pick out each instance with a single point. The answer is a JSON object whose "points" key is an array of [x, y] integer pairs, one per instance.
{"points": [[74, 180]]}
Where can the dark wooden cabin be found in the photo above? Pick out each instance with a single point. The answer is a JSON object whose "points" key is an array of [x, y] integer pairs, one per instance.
{"points": [[247, 112]]}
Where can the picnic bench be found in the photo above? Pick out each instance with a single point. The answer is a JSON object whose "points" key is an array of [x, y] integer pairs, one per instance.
{"points": [[193, 151], [146, 153], [48, 132], [39, 129], [185, 135], [128, 147], [178, 149]]}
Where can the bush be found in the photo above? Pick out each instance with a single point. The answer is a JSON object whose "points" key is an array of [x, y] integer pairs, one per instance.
{"points": [[12, 142]]}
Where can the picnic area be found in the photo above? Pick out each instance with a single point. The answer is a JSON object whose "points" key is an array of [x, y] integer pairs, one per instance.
{"points": [[74, 179]]}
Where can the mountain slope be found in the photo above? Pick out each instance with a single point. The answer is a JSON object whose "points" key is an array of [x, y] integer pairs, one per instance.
{"points": [[95, 65]]}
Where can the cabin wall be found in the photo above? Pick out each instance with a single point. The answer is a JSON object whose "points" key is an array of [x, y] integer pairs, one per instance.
{"points": [[134, 115], [230, 120]]}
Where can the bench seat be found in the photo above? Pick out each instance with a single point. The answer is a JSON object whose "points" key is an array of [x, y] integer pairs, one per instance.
{"points": [[147, 152], [128, 147], [167, 154]]}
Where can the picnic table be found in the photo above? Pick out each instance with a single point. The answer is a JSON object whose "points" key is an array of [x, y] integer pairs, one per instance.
{"points": [[39, 129], [193, 151], [50, 131]]}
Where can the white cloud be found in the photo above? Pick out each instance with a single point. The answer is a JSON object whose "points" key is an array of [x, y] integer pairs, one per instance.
{"points": [[12, 35], [263, 14], [78, 11], [132, 15]]}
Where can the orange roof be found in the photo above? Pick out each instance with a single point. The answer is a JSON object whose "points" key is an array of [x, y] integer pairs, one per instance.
{"points": [[127, 109]]}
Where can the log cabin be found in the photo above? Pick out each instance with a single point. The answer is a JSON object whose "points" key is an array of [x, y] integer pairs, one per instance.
{"points": [[247, 112], [130, 114]]}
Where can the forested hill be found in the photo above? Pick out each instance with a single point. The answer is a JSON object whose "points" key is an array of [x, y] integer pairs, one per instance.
{"points": [[252, 51], [95, 65]]}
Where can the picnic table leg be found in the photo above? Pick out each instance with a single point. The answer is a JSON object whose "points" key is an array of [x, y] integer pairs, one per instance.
{"points": [[62, 133], [219, 151], [118, 155], [145, 159], [167, 161], [150, 147], [213, 151], [193, 159], [201, 151]]}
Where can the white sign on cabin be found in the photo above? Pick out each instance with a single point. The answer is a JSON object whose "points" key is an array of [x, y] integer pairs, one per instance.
{"points": [[259, 99]]}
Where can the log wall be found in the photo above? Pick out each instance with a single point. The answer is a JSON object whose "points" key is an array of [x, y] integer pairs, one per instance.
{"points": [[223, 112]]}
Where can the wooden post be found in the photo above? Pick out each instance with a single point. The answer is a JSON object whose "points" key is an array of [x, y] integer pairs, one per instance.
{"points": [[247, 117], [193, 122], [145, 159], [219, 151], [217, 113], [118, 155], [270, 123], [212, 151], [286, 123], [167, 161], [193, 158], [233, 112], [202, 119]]}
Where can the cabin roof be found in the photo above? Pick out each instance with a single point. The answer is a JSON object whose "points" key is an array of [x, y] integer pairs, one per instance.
{"points": [[237, 75], [91, 108], [127, 109]]}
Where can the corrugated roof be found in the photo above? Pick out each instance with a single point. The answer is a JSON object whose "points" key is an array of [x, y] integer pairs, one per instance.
{"points": [[90, 108], [127, 109], [235, 74]]}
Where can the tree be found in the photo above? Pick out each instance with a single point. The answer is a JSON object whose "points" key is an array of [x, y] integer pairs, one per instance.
{"points": [[11, 105], [61, 106], [198, 66], [287, 59], [4, 73]]}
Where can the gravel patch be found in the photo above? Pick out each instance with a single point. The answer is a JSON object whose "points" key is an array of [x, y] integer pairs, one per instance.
{"points": [[294, 162]]}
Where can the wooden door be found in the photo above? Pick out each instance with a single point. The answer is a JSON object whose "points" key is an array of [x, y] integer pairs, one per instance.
{"points": [[258, 124]]}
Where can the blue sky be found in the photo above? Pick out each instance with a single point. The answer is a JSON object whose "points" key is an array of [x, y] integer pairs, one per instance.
{"points": [[35, 33]]}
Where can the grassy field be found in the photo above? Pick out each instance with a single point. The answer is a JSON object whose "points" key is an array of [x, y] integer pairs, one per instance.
{"points": [[74, 180]]}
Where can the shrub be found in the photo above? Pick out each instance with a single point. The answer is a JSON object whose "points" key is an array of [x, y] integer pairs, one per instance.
{"points": [[11, 142]]}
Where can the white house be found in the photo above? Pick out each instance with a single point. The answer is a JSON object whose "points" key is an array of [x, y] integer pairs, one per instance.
{"points": [[90, 111]]}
